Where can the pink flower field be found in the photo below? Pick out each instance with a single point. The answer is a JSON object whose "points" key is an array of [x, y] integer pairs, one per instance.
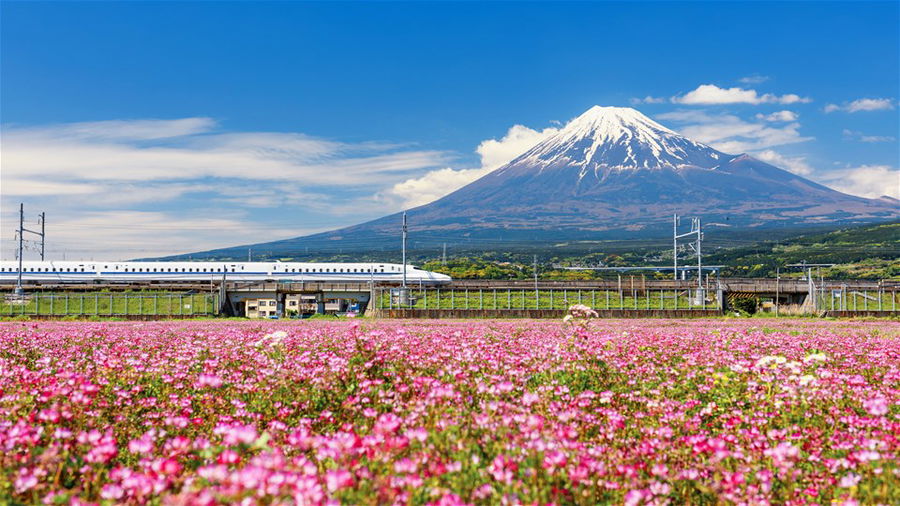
{"points": [[468, 412]]}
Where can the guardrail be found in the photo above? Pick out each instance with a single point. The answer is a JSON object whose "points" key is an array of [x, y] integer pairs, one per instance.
{"points": [[519, 299], [843, 297], [112, 304]]}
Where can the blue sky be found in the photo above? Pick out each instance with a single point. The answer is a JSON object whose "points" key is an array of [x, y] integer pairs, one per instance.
{"points": [[151, 128]]}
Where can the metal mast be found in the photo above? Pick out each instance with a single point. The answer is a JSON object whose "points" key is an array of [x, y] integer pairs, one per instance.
{"points": [[699, 257], [696, 230], [675, 244], [404, 249], [19, 289], [43, 221], [22, 230]]}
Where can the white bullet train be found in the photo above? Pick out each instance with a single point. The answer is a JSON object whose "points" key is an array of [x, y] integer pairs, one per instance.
{"points": [[81, 272]]}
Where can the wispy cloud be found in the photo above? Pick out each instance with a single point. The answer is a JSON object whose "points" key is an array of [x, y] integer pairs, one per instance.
{"points": [[863, 104], [795, 164], [861, 137], [731, 134], [179, 150], [753, 79], [710, 94], [778, 116], [648, 100], [152, 176], [870, 181]]}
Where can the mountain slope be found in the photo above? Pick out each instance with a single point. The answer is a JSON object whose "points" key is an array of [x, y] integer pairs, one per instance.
{"points": [[610, 173]]}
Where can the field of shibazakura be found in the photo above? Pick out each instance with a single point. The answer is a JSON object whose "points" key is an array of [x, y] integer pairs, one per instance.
{"points": [[474, 412]]}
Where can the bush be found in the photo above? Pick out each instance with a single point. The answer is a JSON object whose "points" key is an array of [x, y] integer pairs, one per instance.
{"points": [[747, 304]]}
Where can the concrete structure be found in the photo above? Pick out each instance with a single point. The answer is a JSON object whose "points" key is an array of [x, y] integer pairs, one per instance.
{"points": [[261, 308]]}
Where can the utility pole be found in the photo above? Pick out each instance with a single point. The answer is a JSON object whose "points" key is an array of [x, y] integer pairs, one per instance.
{"points": [[404, 249], [697, 231], [444, 255], [777, 288], [699, 256], [675, 245], [19, 290], [22, 230], [249, 254], [43, 221], [535, 278]]}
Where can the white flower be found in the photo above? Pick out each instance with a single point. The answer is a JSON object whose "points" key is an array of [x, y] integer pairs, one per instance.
{"points": [[815, 357], [770, 359], [272, 339]]}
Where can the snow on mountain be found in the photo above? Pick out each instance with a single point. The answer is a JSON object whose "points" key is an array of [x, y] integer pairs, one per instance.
{"points": [[615, 138]]}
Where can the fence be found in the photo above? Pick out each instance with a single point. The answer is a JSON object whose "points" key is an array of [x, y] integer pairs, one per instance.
{"points": [[831, 296], [111, 304], [546, 298]]}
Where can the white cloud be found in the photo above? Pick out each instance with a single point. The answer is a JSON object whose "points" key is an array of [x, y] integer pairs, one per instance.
{"points": [[731, 134], [435, 184], [152, 150], [870, 181], [753, 79], [778, 116], [710, 94], [518, 139], [149, 177], [123, 234], [861, 137], [863, 104], [647, 100], [494, 154], [795, 164]]}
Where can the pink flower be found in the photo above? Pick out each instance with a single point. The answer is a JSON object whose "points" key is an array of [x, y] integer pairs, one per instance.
{"points": [[503, 469], [554, 460], [144, 445], [26, 480], [112, 491], [877, 406], [209, 380], [237, 434], [167, 466], [228, 457], [338, 479]]}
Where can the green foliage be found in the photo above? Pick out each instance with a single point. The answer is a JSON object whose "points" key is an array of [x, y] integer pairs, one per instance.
{"points": [[746, 304]]}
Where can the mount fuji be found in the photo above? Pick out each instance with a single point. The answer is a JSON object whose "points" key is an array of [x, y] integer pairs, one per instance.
{"points": [[611, 173]]}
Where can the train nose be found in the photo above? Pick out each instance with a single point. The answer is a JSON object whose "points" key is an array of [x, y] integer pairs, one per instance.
{"points": [[442, 278]]}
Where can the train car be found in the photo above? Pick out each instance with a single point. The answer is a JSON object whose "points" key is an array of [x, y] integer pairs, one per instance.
{"points": [[130, 272]]}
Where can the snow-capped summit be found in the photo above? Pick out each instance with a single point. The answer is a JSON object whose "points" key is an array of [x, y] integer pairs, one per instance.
{"points": [[616, 138]]}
